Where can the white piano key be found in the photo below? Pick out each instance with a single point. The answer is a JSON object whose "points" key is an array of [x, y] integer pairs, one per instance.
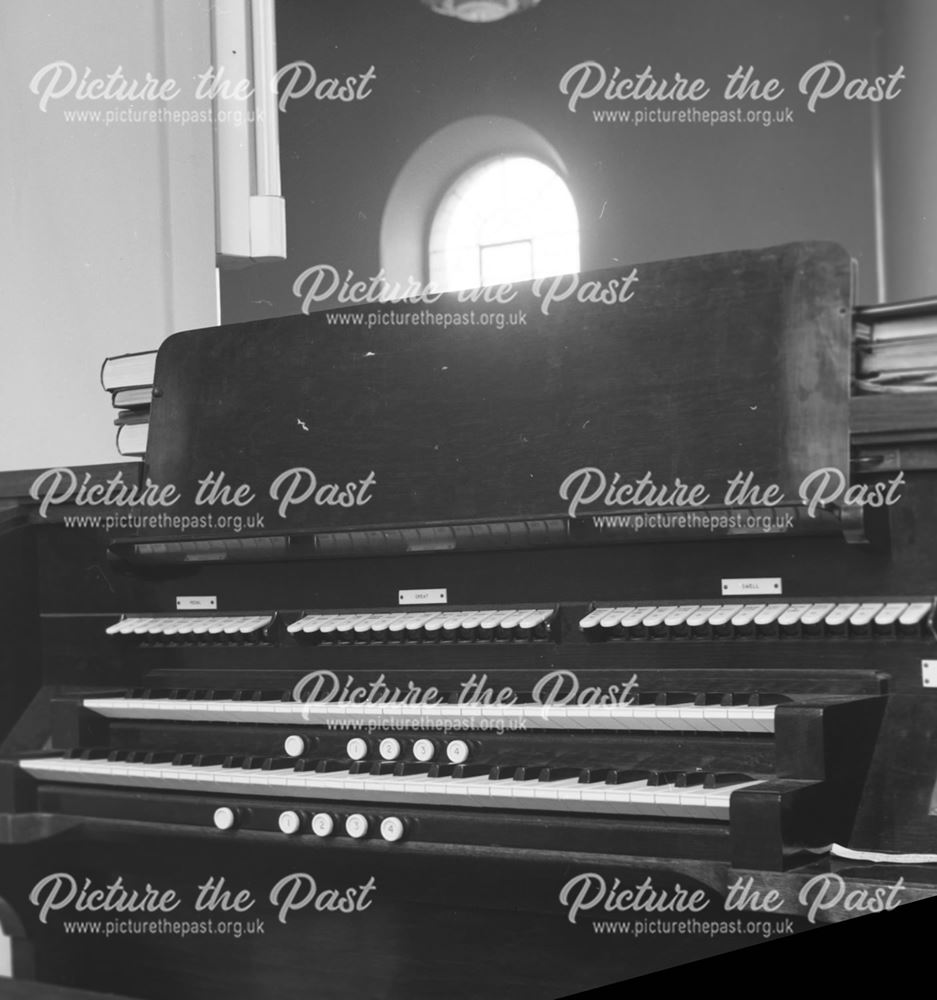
{"points": [[840, 614], [889, 614], [325, 626], [552, 791], [381, 625], [816, 613], [512, 620], [723, 614], [649, 799], [696, 717], [331, 625], [415, 622], [365, 623], [745, 615], [147, 626], [479, 787], [126, 625], [613, 617], [770, 614], [914, 614], [199, 626], [631, 618], [793, 614], [702, 615], [489, 620], [762, 717], [679, 615], [657, 616], [166, 626], [591, 620], [171, 626], [865, 613], [537, 617]]}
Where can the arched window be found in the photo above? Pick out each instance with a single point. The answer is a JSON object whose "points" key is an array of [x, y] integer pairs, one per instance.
{"points": [[507, 219]]}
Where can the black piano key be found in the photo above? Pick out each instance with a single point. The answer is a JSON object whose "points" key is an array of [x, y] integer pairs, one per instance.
{"points": [[656, 778], [302, 764], [713, 698], [278, 764], [591, 775], [678, 698], [360, 767], [689, 779], [527, 772], [761, 698], [119, 755], [73, 753], [500, 772], [470, 770], [233, 760], [441, 770], [254, 762], [323, 766], [184, 759], [94, 753], [209, 759], [136, 756], [558, 773], [624, 775], [268, 696], [159, 756], [723, 778], [383, 767], [403, 768]]}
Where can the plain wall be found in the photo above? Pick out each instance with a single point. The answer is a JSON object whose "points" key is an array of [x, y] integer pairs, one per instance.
{"points": [[108, 230], [643, 193], [909, 150]]}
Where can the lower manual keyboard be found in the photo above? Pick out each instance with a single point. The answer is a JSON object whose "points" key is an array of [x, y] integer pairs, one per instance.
{"points": [[495, 790]]}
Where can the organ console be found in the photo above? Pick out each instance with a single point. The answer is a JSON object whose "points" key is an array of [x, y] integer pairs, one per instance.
{"points": [[449, 699]]}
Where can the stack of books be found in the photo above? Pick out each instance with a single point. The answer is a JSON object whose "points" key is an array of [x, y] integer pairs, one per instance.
{"points": [[129, 380], [896, 348]]}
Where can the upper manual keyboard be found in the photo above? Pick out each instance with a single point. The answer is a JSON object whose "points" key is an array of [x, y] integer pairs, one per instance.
{"points": [[602, 621]]}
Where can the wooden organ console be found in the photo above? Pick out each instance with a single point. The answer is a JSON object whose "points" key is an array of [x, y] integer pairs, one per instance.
{"points": [[424, 681]]}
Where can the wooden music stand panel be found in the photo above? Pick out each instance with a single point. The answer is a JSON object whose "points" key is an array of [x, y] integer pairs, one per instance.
{"points": [[717, 364]]}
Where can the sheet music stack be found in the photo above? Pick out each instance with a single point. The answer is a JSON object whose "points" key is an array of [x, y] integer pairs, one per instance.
{"points": [[896, 348]]}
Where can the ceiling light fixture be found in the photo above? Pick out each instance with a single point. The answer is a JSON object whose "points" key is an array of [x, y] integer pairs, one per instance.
{"points": [[479, 10]]}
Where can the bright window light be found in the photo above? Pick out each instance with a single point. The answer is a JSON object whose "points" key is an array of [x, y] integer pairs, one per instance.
{"points": [[508, 219]]}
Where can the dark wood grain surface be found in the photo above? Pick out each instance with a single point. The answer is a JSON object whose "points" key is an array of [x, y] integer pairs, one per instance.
{"points": [[719, 363]]}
